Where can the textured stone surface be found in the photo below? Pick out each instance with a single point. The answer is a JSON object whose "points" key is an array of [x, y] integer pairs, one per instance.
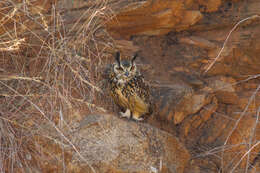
{"points": [[177, 101], [153, 18], [110, 143], [224, 90]]}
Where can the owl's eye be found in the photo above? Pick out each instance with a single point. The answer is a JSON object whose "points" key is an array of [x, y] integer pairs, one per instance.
{"points": [[120, 69]]}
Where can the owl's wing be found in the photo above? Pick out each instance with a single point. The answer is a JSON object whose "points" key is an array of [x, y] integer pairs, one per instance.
{"points": [[138, 95], [142, 89], [119, 98]]}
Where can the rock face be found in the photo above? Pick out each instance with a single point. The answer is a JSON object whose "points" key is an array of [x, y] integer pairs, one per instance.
{"points": [[177, 101], [212, 109], [223, 89], [111, 144], [153, 18]]}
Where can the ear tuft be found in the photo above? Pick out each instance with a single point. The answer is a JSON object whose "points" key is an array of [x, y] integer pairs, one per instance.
{"points": [[117, 57], [134, 57]]}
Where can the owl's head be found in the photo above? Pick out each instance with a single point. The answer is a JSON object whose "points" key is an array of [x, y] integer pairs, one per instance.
{"points": [[124, 70]]}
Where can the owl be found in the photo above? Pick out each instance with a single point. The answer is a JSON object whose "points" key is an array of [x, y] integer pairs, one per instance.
{"points": [[128, 89]]}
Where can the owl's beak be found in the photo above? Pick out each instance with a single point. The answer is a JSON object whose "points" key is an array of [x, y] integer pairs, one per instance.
{"points": [[126, 73]]}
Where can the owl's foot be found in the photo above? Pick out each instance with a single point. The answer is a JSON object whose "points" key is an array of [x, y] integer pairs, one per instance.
{"points": [[127, 113], [138, 118]]}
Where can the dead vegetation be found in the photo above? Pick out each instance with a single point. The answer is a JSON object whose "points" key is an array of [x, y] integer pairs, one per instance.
{"points": [[50, 67]]}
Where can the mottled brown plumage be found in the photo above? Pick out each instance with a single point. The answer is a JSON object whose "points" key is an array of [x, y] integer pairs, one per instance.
{"points": [[128, 89]]}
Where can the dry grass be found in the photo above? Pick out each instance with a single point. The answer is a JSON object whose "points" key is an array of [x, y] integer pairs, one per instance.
{"points": [[50, 67]]}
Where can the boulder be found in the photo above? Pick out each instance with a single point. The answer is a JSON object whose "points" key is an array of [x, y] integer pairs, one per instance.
{"points": [[110, 144]]}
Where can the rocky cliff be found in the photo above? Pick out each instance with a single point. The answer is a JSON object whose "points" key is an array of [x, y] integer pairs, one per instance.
{"points": [[201, 58]]}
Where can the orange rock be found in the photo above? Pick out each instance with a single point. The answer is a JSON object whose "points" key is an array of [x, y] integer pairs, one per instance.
{"points": [[244, 140], [198, 41], [152, 18], [190, 104], [238, 62], [210, 5], [224, 90], [126, 46], [202, 165], [167, 98], [111, 144], [244, 99], [190, 18], [256, 168], [191, 128]]}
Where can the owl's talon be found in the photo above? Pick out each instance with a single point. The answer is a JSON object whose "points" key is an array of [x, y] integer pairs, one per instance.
{"points": [[127, 114], [138, 118]]}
